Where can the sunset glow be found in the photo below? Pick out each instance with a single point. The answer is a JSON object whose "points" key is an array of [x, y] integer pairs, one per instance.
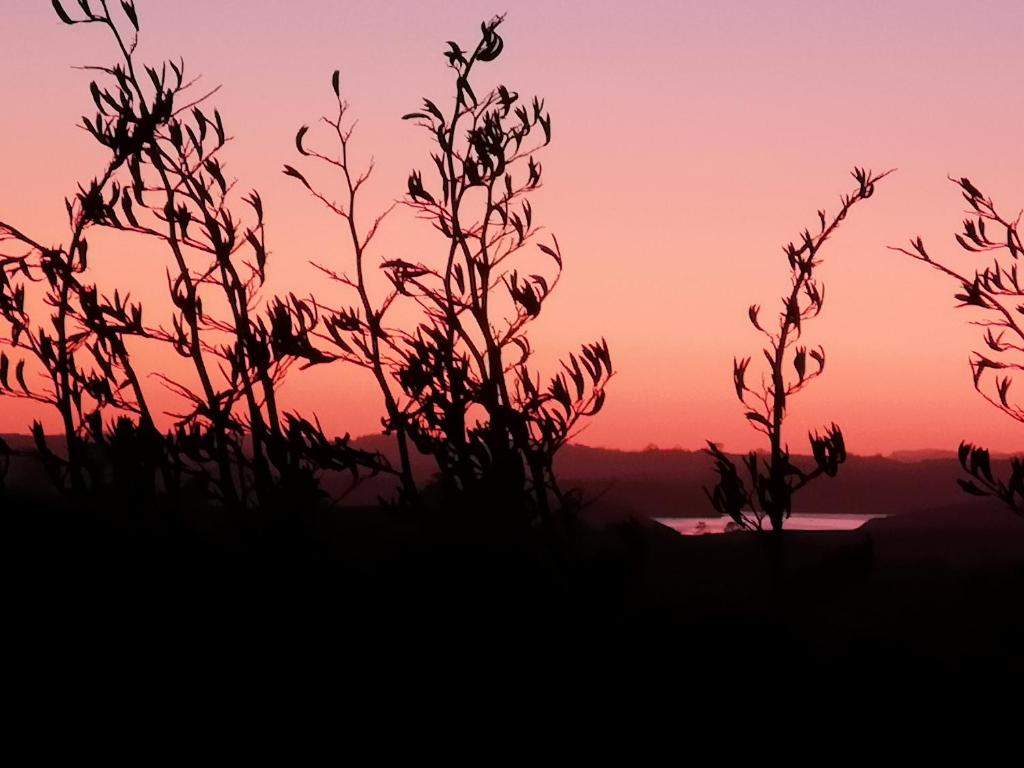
{"points": [[691, 141]]}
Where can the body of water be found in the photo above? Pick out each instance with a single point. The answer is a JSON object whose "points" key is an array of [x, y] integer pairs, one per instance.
{"points": [[696, 526]]}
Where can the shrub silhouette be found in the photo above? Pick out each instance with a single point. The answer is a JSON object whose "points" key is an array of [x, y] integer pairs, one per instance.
{"points": [[83, 323], [358, 334], [774, 480], [997, 291], [165, 180], [458, 385]]}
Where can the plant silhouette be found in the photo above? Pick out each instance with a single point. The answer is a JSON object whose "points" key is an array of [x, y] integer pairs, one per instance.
{"points": [[775, 479], [84, 325], [358, 334], [997, 291], [458, 386], [457, 383], [165, 180]]}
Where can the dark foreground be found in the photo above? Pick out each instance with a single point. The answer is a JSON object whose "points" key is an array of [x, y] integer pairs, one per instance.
{"points": [[370, 591]]}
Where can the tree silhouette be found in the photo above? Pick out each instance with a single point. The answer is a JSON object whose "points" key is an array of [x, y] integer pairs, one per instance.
{"points": [[478, 407], [998, 292], [774, 480], [459, 385], [165, 180]]}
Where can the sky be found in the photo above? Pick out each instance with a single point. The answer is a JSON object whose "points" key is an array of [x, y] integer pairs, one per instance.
{"points": [[691, 141]]}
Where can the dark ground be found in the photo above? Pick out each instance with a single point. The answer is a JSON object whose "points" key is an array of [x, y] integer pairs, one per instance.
{"points": [[368, 590]]}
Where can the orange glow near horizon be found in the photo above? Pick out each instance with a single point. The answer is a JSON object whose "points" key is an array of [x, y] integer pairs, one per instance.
{"points": [[691, 141]]}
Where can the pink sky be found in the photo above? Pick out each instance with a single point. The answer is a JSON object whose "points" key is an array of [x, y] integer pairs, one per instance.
{"points": [[691, 140]]}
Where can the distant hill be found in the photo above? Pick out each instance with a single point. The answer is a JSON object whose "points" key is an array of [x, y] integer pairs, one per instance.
{"points": [[670, 483], [663, 483], [921, 454], [926, 454]]}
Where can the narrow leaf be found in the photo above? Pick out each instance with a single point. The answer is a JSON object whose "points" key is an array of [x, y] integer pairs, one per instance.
{"points": [[129, 11], [62, 13]]}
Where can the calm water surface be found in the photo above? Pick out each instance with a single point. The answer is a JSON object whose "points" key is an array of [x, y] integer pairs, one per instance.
{"points": [[695, 526]]}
